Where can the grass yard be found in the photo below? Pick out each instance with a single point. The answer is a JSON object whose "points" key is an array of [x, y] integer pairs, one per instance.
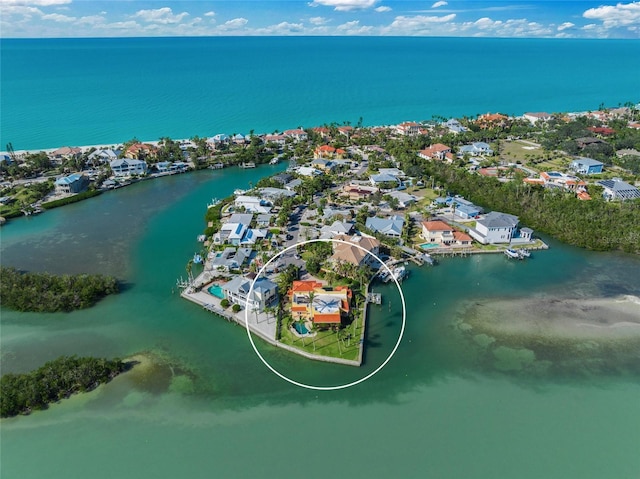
{"points": [[326, 343], [512, 151]]}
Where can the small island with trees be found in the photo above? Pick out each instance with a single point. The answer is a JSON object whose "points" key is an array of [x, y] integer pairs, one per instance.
{"points": [[47, 293], [55, 380]]}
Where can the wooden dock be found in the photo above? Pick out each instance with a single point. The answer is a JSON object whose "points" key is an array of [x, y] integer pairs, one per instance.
{"points": [[249, 164]]}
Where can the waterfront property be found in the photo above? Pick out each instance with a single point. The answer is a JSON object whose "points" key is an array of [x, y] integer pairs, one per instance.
{"points": [[128, 167], [437, 232], [347, 250], [265, 292], [74, 183], [311, 300], [495, 227]]}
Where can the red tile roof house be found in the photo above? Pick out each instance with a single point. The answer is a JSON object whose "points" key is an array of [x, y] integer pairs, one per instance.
{"points": [[323, 131], [139, 150], [437, 151], [297, 134], [601, 130], [346, 130], [438, 232], [324, 151], [310, 300]]}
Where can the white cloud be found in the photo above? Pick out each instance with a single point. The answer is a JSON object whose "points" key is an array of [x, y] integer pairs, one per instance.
{"points": [[353, 28], [404, 25], [234, 24], [620, 15], [318, 20], [382, 8], [162, 16], [344, 5], [439, 4], [565, 25], [282, 28], [210, 14], [58, 17]]}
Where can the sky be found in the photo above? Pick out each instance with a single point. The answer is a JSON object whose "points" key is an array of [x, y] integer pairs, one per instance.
{"points": [[452, 18]]}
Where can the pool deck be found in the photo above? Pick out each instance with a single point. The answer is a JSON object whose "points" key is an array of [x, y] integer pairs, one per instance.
{"points": [[260, 324]]}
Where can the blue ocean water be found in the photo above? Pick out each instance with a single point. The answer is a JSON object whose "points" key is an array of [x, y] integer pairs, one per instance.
{"points": [[89, 91]]}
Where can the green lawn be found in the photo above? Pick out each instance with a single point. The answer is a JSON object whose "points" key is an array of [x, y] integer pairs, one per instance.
{"points": [[327, 343]]}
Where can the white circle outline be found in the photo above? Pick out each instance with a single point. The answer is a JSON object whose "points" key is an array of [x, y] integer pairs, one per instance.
{"points": [[340, 386]]}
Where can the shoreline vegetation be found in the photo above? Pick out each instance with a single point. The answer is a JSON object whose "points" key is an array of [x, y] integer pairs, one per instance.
{"points": [[48, 293], [20, 394], [609, 135]]}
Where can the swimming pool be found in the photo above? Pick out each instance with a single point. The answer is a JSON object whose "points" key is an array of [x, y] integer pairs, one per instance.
{"points": [[429, 245], [301, 328], [216, 291]]}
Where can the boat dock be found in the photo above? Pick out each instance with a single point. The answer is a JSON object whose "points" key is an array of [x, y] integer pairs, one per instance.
{"points": [[375, 298], [249, 164]]}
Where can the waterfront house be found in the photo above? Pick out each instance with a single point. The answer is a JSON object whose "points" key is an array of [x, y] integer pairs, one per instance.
{"points": [[347, 250], [265, 293], [311, 300], [127, 167], [345, 130], [140, 151], [279, 140], [391, 226], [437, 232], [74, 183], [232, 233], [244, 218], [230, 258], [616, 189], [408, 128], [454, 126], [535, 117], [65, 153], [104, 156], [283, 178], [495, 227], [296, 134], [492, 120], [461, 239], [586, 166], [252, 204], [435, 152]]}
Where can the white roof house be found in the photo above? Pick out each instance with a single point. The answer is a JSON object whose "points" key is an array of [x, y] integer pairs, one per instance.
{"points": [[252, 204]]}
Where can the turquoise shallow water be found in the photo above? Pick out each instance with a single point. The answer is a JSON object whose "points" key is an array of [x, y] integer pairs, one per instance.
{"points": [[440, 408], [89, 91]]}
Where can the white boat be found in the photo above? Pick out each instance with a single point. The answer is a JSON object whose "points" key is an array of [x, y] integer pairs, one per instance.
{"points": [[239, 192], [197, 259], [274, 161], [214, 202], [399, 273], [511, 253], [524, 253]]}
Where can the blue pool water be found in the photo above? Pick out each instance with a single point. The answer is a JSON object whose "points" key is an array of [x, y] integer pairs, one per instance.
{"points": [[429, 245], [301, 328], [216, 290]]}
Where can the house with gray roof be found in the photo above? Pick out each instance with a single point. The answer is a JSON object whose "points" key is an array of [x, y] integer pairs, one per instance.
{"points": [[336, 228], [264, 219], [404, 199], [264, 293], [495, 227], [384, 179], [275, 193], [477, 148], [231, 258], [391, 226], [74, 183], [244, 218], [616, 189]]}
